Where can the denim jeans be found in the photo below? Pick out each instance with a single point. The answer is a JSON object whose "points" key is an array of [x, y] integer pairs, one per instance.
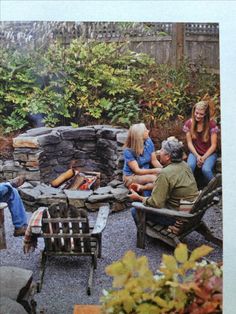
{"points": [[207, 167], [157, 218], [10, 195]]}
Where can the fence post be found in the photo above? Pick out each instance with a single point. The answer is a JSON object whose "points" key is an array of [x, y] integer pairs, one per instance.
{"points": [[177, 43]]}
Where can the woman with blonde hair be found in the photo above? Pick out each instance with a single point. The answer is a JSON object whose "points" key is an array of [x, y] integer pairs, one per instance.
{"points": [[139, 156], [201, 135]]}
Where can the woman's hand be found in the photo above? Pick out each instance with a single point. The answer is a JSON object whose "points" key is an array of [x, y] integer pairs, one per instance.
{"points": [[200, 161]]}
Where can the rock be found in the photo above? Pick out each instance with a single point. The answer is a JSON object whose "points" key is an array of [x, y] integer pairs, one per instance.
{"points": [[83, 133], [30, 194], [108, 133], [118, 206], [77, 198], [121, 137], [21, 141], [38, 131], [15, 281], [9, 306], [115, 183], [100, 198], [95, 206], [103, 190], [120, 194], [52, 138]]}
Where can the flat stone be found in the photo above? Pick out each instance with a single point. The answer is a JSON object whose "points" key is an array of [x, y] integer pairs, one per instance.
{"points": [[19, 156], [26, 185], [114, 183], [9, 306], [121, 137], [77, 198], [120, 194], [52, 138], [103, 190], [21, 141], [38, 131], [45, 200], [95, 206], [83, 133], [100, 198], [118, 206], [83, 195], [14, 280], [30, 194], [46, 189], [108, 133]]}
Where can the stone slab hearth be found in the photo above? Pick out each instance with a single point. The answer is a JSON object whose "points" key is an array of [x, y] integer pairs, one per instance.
{"points": [[42, 154]]}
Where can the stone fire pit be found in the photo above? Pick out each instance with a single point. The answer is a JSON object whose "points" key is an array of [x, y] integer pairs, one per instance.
{"points": [[42, 154]]}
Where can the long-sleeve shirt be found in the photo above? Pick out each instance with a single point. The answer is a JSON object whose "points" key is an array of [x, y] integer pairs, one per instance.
{"points": [[175, 182]]}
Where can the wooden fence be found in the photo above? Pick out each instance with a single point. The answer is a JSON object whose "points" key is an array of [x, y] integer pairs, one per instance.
{"points": [[166, 42]]}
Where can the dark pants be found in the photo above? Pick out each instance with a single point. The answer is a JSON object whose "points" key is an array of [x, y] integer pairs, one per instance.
{"points": [[157, 218]]}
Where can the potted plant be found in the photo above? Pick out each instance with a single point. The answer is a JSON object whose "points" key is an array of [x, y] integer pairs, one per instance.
{"points": [[183, 284]]}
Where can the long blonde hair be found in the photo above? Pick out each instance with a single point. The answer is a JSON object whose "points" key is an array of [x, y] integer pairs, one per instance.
{"points": [[202, 105], [135, 139]]}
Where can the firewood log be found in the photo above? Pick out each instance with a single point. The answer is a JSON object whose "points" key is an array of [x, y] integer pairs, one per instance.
{"points": [[63, 177]]}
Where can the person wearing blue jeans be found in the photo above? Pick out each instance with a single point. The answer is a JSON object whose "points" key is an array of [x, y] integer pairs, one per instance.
{"points": [[207, 167], [201, 136], [10, 195]]}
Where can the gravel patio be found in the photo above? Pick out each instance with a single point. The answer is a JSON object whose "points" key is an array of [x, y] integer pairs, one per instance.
{"points": [[66, 277]]}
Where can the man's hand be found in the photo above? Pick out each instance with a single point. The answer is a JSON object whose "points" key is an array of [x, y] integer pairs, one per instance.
{"points": [[136, 187], [135, 196]]}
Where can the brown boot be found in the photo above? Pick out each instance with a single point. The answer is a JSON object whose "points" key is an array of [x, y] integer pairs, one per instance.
{"points": [[18, 181], [20, 231]]}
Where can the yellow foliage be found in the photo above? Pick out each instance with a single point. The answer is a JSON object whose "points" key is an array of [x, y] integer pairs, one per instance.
{"points": [[181, 253]]}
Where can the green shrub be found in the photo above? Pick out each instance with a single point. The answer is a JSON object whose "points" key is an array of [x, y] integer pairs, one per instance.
{"points": [[93, 82]]}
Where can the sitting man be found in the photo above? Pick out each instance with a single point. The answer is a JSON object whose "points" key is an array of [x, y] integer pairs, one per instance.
{"points": [[10, 195], [175, 182]]}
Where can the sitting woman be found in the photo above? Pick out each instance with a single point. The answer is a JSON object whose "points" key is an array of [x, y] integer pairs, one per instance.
{"points": [[201, 135], [139, 155]]}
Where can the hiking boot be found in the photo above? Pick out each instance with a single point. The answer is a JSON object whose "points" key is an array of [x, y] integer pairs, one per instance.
{"points": [[20, 231], [18, 181]]}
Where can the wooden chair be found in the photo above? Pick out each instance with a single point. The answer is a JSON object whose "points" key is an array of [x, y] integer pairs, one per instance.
{"points": [[190, 221], [66, 232]]}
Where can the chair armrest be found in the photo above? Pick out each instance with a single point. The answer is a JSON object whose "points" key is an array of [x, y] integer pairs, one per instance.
{"points": [[163, 211], [101, 220], [36, 230]]}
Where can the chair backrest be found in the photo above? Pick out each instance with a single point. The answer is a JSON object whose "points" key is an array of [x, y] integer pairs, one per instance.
{"points": [[66, 231], [205, 198]]}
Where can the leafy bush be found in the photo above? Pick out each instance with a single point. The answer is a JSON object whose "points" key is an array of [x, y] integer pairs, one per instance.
{"points": [[182, 286], [90, 82], [170, 93], [124, 112]]}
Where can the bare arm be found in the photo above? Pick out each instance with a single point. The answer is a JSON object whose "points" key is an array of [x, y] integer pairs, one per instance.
{"points": [[135, 168], [212, 148], [154, 161], [190, 145]]}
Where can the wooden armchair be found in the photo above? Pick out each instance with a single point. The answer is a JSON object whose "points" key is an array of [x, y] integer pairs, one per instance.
{"points": [[190, 221], [66, 232]]}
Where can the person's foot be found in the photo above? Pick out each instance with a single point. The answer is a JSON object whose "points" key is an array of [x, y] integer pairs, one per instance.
{"points": [[17, 181], [18, 232]]}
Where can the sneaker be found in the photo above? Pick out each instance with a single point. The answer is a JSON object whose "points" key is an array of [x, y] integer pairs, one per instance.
{"points": [[20, 231], [18, 181]]}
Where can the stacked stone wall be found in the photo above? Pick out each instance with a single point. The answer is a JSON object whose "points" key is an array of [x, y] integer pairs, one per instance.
{"points": [[42, 154]]}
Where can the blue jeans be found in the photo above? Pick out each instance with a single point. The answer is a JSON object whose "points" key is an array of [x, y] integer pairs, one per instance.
{"points": [[10, 195], [157, 218], [207, 167]]}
